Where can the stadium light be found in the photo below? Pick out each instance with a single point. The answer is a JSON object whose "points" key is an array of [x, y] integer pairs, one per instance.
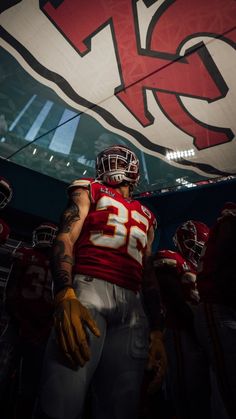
{"points": [[180, 154]]}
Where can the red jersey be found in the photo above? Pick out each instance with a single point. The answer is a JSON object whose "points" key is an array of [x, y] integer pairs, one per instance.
{"points": [[4, 231], [176, 261], [113, 239], [30, 288]]}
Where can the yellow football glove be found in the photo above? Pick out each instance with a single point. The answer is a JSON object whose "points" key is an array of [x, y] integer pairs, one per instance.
{"points": [[71, 319], [157, 361]]}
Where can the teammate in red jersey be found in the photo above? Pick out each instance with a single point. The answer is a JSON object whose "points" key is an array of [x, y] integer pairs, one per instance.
{"points": [[101, 330], [29, 301], [215, 319], [29, 289], [8, 332], [176, 275]]}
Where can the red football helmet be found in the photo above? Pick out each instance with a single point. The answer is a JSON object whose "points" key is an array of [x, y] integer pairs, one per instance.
{"points": [[5, 192], [190, 238], [117, 164], [44, 235]]}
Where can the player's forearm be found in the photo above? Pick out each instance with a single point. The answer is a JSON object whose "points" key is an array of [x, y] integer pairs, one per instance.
{"points": [[62, 263]]}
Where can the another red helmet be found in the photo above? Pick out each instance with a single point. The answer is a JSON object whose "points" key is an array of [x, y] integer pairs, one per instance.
{"points": [[117, 164], [44, 235], [5, 192], [190, 238]]}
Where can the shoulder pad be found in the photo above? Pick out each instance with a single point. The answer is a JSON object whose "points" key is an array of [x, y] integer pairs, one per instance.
{"points": [[168, 257], [80, 183], [229, 209], [165, 261]]}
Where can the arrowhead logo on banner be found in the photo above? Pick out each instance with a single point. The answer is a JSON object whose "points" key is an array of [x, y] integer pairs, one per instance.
{"points": [[158, 73]]}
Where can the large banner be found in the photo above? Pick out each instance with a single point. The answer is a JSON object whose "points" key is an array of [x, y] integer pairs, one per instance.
{"points": [[159, 75]]}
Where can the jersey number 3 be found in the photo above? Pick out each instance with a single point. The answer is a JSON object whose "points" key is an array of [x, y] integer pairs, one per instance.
{"points": [[132, 235]]}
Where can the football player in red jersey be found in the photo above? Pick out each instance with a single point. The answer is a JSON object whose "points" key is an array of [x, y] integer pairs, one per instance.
{"points": [[215, 319], [176, 275], [101, 330], [8, 332], [29, 301]]}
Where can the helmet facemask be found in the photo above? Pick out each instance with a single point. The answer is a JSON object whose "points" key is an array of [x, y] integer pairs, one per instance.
{"points": [[193, 250], [44, 235], [190, 238]]}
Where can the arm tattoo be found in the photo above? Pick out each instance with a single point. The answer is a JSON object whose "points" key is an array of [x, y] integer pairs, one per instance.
{"points": [[61, 277], [70, 216]]}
